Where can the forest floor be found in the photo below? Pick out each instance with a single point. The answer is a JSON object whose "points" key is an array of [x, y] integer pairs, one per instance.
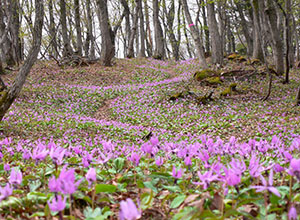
{"points": [[137, 93], [124, 106]]}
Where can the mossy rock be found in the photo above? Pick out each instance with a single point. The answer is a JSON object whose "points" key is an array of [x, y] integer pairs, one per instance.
{"points": [[213, 80], [229, 90], [205, 99], [254, 62], [201, 75], [233, 56], [241, 59], [176, 96]]}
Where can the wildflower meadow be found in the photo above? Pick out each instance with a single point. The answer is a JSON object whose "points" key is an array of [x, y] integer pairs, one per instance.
{"points": [[109, 143]]}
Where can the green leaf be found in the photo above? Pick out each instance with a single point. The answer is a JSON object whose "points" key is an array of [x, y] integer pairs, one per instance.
{"points": [[107, 188], [119, 164], [34, 185], [166, 176], [271, 216], [37, 214], [172, 188], [150, 186], [177, 201]]}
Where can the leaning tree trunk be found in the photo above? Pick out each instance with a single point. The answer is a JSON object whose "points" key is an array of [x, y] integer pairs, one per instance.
{"points": [[276, 39], [159, 52], [107, 43], [8, 96], [67, 49], [216, 46], [78, 27], [195, 35]]}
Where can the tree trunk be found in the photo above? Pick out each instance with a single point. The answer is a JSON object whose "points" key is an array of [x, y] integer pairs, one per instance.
{"points": [[290, 33], [15, 32], [148, 30], [170, 22], [9, 96], [67, 49], [89, 48], [52, 30], [142, 52], [127, 24], [216, 46], [206, 30], [6, 44], [107, 43], [78, 27], [195, 35], [275, 35], [245, 29], [257, 45], [159, 52], [130, 53]]}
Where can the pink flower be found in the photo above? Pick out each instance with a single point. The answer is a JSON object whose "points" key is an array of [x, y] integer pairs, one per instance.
{"points": [[190, 25], [292, 213], [15, 177], [5, 192], [176, 173], [129, 210], [91, 175], [57, 204], [295, 168]]}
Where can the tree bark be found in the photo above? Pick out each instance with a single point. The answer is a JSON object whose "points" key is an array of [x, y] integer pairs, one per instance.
{"points": [[275, 35], [107, 43], [67, 49], [257, 45], [127, 24], [216, 46], [159, 52], [52, 30], [170, 22], [195, 35], [9, 96], [142, 52], [130, 53], [149, 42], [245, 29], [89, 47], [78, 27]]}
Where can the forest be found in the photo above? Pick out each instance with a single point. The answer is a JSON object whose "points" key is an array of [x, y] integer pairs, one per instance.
{"points": [[149, 109]]}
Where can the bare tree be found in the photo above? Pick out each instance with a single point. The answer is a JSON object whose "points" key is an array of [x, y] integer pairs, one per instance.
{"points": [[78, 27], [159, 52], [217, 49], [107, 38], [8, 96], [67, 49], [195, 34]]}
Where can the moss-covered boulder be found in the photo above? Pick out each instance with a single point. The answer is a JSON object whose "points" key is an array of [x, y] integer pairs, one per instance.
{"points": [[237, 57], [233, 56], [254, 62], [176, 96], [205, 99], [213, 81], [201, 75], [229, 90]]}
